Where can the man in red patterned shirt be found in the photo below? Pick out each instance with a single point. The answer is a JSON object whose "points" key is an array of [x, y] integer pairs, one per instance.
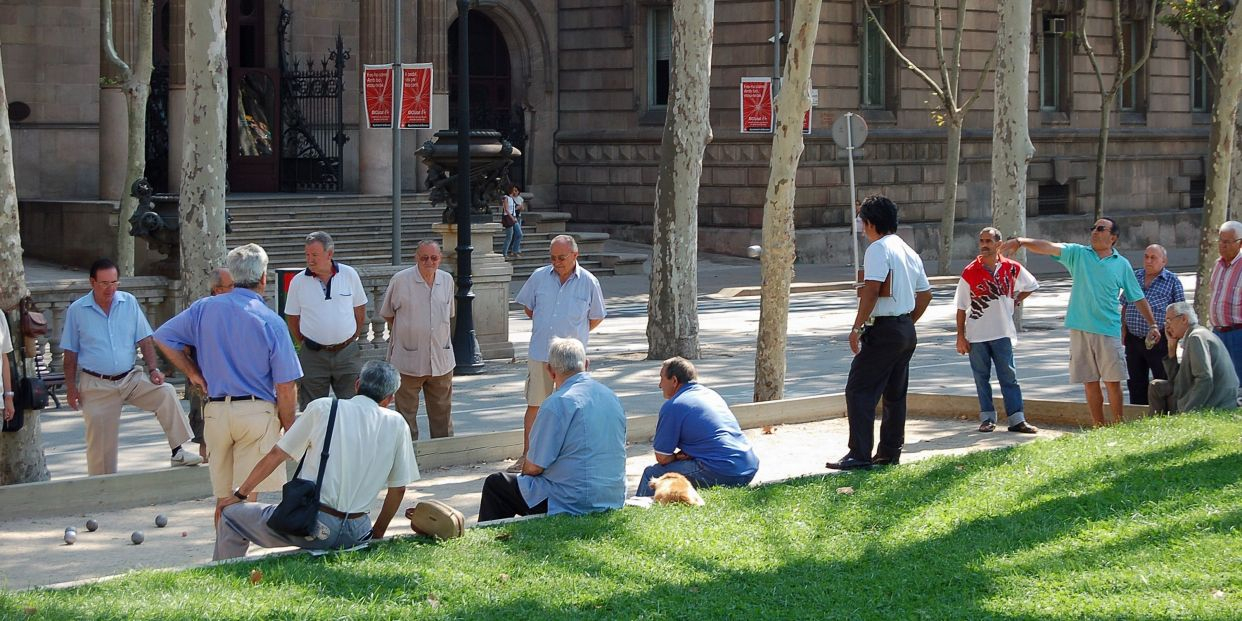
{"points": [[1225, 309]]}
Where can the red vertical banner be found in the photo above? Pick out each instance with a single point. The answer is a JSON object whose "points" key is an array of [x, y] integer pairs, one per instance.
{"points": [[756, 105], [416, 96], [378, 95]]}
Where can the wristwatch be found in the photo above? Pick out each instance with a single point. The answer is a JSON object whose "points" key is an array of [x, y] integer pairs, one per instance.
{"points": [[859, 330], [240, 496]]}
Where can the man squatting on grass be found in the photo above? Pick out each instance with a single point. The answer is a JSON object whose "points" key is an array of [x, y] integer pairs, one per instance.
{"points": [[1099, 275], [1203, 378]]}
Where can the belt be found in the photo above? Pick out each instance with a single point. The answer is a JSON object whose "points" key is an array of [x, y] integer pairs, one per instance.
{"points": [[315, 346], [110, 378], [340, 514], [228, 398], [891, 317], [1224, 329]]}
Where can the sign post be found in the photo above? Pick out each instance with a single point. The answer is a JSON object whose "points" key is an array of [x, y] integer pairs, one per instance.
{"points": [[850, 132]]}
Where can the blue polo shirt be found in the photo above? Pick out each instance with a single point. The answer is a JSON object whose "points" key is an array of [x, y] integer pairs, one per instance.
{"points": [[579, 440], [105, 343], [699, 422], [1093, 303], [243, 347], [560, 310]]}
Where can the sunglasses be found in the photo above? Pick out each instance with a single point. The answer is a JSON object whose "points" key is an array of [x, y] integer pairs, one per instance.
{"points": [[1102, 229]]}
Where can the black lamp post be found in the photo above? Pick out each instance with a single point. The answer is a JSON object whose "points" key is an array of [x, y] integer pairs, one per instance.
{"points": [[465, 345]]}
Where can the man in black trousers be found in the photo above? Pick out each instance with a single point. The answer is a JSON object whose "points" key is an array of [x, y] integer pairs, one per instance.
{"points": [[894, 294]]}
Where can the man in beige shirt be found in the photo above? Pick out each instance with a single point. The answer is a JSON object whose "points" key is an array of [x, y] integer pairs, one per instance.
{"points": [[418, 307]]}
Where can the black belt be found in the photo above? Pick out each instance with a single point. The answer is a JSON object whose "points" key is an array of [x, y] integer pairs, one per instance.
{"points": [[882, 318], [110, 378], [228, 398], [340, 514], [1224, 329], [316, 346]]}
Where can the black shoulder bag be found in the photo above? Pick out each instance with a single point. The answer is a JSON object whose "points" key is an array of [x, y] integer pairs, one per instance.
{"points": [[298, 511]]}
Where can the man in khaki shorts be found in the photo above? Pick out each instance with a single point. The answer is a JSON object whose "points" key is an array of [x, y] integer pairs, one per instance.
{"points": [[248, 368], [565, 301], [1100, 274]]}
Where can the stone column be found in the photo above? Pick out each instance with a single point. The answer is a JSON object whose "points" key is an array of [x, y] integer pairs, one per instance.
{"points": [[176, 93], [491, 275], [433, 25], [113, 114], [374, 145]]}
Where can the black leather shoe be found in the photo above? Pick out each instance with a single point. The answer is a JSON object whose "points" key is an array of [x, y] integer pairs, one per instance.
{"points": [[886, 460], [849, 463]]}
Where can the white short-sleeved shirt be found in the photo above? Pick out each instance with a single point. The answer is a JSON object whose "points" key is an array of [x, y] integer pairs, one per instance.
{"points": [[560, 310], [326, 311], [6, 346], [890, 254], [422, 342], [371, 451]]}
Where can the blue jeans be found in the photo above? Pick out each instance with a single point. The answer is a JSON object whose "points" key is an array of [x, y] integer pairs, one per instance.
{"points": [[1233, 344], [513, 240], [982, 357], [245, 523], [692, 469]]}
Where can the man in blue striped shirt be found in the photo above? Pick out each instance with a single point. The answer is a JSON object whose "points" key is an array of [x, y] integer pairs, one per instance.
{"points": [[1161, 288]]}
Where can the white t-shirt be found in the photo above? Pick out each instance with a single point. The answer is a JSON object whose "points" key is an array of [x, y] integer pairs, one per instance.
{"points": [[891, 254], [326, 311], [6, 346], [371, 451], [988, 299]]}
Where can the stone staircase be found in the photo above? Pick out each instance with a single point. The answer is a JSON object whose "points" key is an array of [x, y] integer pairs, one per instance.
{"points": [[361, 228]]}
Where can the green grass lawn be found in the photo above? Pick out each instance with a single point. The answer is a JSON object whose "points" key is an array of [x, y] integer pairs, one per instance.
{"points": [[1142, 521]]}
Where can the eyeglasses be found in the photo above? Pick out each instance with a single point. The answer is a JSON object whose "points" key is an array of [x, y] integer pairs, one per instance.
{"points": [[1100, 228]]}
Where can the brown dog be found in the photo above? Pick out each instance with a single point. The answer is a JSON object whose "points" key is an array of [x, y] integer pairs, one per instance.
{"points": [[672, 488]]}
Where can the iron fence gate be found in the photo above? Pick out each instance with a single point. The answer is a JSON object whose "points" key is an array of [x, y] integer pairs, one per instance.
{"points": [[312, 116]]}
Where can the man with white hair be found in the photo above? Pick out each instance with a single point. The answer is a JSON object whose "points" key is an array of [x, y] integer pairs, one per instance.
{"points": [[576, 460], [1160, 288], [1225, 309], [1203, 378], [248, 368], [370, 450]]}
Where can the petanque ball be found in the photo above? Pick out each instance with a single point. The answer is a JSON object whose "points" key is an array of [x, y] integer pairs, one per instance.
{"points": [[754, 251], [71, 537], [92, 525], [161, 520], [137, 537]]}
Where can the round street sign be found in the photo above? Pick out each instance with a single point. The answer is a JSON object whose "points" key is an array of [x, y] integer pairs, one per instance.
{"points": [[842, 128]]}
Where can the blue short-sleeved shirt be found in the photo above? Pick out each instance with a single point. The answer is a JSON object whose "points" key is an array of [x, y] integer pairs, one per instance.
{"points": [[1093, 303], [579, 440], [699, 422], [243, 347], [560, 310], [105, 343], [1164, 290]]}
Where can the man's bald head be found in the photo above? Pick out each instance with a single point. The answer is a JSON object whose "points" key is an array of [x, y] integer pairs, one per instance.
{"points": [[1154, 259]]}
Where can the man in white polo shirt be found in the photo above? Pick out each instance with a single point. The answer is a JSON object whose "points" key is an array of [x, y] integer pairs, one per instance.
{"points": [[326, 307]]}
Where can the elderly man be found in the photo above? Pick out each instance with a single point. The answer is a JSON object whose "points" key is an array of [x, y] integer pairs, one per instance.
{"points": [[883, 338], [696, 434], [246, 365], [221, 282], [1100, 274], [370, 450], [418, 306], [327, 309], [1225, 308], [565, 301], [1160, 288], [101, 331], [1204, 378], [991, 288], [576, 462]]}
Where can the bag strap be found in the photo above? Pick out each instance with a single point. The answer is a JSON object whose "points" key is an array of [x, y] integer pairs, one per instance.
{"points": [[327, 442]]}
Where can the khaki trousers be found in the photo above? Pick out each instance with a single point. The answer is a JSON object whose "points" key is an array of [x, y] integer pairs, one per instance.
{"points": [[438, 390], [239, 434], [101, 408]]}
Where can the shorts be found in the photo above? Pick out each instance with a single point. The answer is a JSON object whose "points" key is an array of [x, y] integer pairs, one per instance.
{"points": [[1096, 358], [538, 383]]}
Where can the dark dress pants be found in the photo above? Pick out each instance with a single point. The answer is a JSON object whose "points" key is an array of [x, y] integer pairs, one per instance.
{"points": [[1140, 360], [502, 498], [880, 370]]}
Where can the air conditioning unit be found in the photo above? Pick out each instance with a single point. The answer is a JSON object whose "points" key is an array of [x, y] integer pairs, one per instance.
{"points": [[1054, 25]]}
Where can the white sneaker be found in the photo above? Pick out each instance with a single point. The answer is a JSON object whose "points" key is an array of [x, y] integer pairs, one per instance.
{"points": [[185, 458]]}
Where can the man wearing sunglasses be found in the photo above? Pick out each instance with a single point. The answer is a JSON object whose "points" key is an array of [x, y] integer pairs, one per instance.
{"points": [[1225, 309], [1100, 274]]}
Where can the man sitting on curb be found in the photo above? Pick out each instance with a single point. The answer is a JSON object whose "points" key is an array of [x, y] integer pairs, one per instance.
{"points": [[370, 450], [1204, 378], [576, 460], [697, 434]]}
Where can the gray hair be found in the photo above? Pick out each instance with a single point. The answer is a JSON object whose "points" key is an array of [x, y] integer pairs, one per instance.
{"points": [[1233, 226], [567, 356], [1163, 253], [428, 242], [993, 231], [378, 380], [217, 277], [1183, 309], [566, 239], [322, 238], [248, 264]]}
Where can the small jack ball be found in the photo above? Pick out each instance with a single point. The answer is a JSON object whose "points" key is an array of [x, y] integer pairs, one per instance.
{"points": [[161, 520], [137, 537], [92, 525]]}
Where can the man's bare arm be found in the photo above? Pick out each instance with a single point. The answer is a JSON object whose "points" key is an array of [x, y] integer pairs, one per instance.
{"points": [[286, 403], [392, 502]]}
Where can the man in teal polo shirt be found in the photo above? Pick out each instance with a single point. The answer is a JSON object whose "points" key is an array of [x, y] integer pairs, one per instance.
{"points": [[1100, 274]]}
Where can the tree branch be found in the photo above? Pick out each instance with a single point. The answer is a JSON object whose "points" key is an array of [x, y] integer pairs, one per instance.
{"points": [[109, 49], [905, 61]]}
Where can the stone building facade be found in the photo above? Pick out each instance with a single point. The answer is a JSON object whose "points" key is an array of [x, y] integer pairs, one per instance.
{"points": [[581, 85]]}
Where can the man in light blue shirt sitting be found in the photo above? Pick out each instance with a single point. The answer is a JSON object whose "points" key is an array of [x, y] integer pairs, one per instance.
{"points": [[576, 461], [697, 434], [1100, 275]]}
